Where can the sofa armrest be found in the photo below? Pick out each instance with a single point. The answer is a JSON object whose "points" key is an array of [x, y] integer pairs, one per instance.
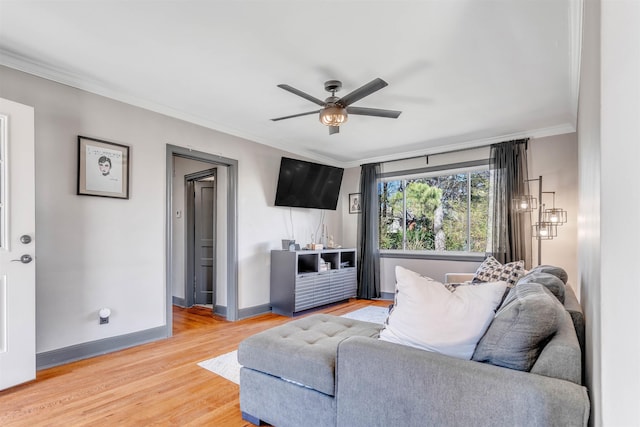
{"points": [[458, 277], [381, 384], [572, 305]]}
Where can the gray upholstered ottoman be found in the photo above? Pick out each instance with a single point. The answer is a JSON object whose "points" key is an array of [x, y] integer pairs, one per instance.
{"points": [[288, 374]]}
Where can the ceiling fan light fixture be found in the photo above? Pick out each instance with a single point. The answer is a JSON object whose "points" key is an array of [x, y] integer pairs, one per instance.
{"points": [[333, 115], [334, 110]]}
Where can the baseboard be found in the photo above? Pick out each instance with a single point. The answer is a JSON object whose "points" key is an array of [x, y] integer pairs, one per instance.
{"points": [[220, 310], [244, 313], [72, 353], [387, 296]]}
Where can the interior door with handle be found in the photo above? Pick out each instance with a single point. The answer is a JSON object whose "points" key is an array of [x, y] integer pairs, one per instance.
{"points": [[204, 240], [17, 244]]}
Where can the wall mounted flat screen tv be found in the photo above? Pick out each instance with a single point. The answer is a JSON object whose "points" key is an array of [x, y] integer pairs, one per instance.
{"points": [[308, 185]]}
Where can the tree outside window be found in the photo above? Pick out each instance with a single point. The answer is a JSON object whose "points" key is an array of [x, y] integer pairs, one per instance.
{"points": [[443, 213]]}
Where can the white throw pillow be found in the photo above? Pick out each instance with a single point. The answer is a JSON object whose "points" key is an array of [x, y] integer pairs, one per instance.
{"points": [[427, 315]]}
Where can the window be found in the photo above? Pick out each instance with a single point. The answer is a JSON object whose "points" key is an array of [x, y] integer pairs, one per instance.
{"points": [[443, 211]]}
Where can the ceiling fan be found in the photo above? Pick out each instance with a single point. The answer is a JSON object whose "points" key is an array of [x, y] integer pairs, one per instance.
{"points": [[335, 111]]}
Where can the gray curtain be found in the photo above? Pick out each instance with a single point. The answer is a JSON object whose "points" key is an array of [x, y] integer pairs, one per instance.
{"points": [[368, 249], [510, 230]]}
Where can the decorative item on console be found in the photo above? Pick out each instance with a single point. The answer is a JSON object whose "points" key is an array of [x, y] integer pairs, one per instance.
{"points": [[325, 241]]}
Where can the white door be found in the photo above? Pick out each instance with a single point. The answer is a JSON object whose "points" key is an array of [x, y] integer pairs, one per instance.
{"points": [[17, 245]]}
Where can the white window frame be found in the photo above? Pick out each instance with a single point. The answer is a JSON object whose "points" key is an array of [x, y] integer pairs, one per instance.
{"points": [[428, 172]]}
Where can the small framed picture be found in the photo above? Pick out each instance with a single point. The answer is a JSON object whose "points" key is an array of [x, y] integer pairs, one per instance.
{"points": [[354, 203], [103, 168]]}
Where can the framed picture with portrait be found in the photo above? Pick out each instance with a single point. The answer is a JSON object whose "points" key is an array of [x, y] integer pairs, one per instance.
{"points": [[103, 168], [354, 203]]}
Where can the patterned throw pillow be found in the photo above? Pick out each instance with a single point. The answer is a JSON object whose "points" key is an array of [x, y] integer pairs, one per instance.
{"points": [[451, 287], [491, 270]]}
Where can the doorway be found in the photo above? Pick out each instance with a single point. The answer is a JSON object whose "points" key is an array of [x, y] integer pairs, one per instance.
{"points": [[224, 263], [201, 213], [17, 244]]}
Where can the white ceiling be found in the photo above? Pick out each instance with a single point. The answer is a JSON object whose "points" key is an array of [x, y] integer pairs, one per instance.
{"points": [[463, 72]]}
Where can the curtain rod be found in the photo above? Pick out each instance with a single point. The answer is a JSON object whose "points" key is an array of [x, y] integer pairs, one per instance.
{"points": [[519, 141]]}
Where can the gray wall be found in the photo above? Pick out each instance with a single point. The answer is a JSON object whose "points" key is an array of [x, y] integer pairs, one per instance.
{"points": [[556, 159], [98, 252]]}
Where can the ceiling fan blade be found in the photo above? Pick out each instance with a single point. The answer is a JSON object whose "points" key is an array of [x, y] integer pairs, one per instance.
{"points": [[295, 115], [362, 91], [361, 111], [334, 129], [302, 94]]}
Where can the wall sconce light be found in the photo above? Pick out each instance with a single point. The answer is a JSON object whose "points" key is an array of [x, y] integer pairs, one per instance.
{"points": [[546, 228], [554, 215], [525, 203]]}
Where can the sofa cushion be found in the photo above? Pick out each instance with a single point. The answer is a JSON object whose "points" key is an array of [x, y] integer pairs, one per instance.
{"points": [[561, 357], [527, 319], [551, 282], [428, 316], [491, 270], [552, 269], [303, 351]]}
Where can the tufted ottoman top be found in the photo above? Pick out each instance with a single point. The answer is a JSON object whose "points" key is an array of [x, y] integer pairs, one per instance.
{"points": [[304, 350]]}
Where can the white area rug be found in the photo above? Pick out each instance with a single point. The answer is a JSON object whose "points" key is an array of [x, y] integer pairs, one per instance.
{"points": [[227, 365], [369, 314]]}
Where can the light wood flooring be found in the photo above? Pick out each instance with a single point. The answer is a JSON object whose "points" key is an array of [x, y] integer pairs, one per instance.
{"points": [[156, 384]]}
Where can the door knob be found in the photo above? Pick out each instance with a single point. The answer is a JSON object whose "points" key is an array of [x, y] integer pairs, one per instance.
{"points": [[25, 239], [25, 259]]}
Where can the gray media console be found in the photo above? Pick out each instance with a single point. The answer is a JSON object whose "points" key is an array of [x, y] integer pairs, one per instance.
{"points": [[301, 280]]}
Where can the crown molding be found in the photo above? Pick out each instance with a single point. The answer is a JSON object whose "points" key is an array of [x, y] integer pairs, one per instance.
{"points": [[444, 147], [37, 68]]}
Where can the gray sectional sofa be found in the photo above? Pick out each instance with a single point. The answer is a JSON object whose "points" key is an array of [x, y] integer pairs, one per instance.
{"points": [[324, 370]]}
